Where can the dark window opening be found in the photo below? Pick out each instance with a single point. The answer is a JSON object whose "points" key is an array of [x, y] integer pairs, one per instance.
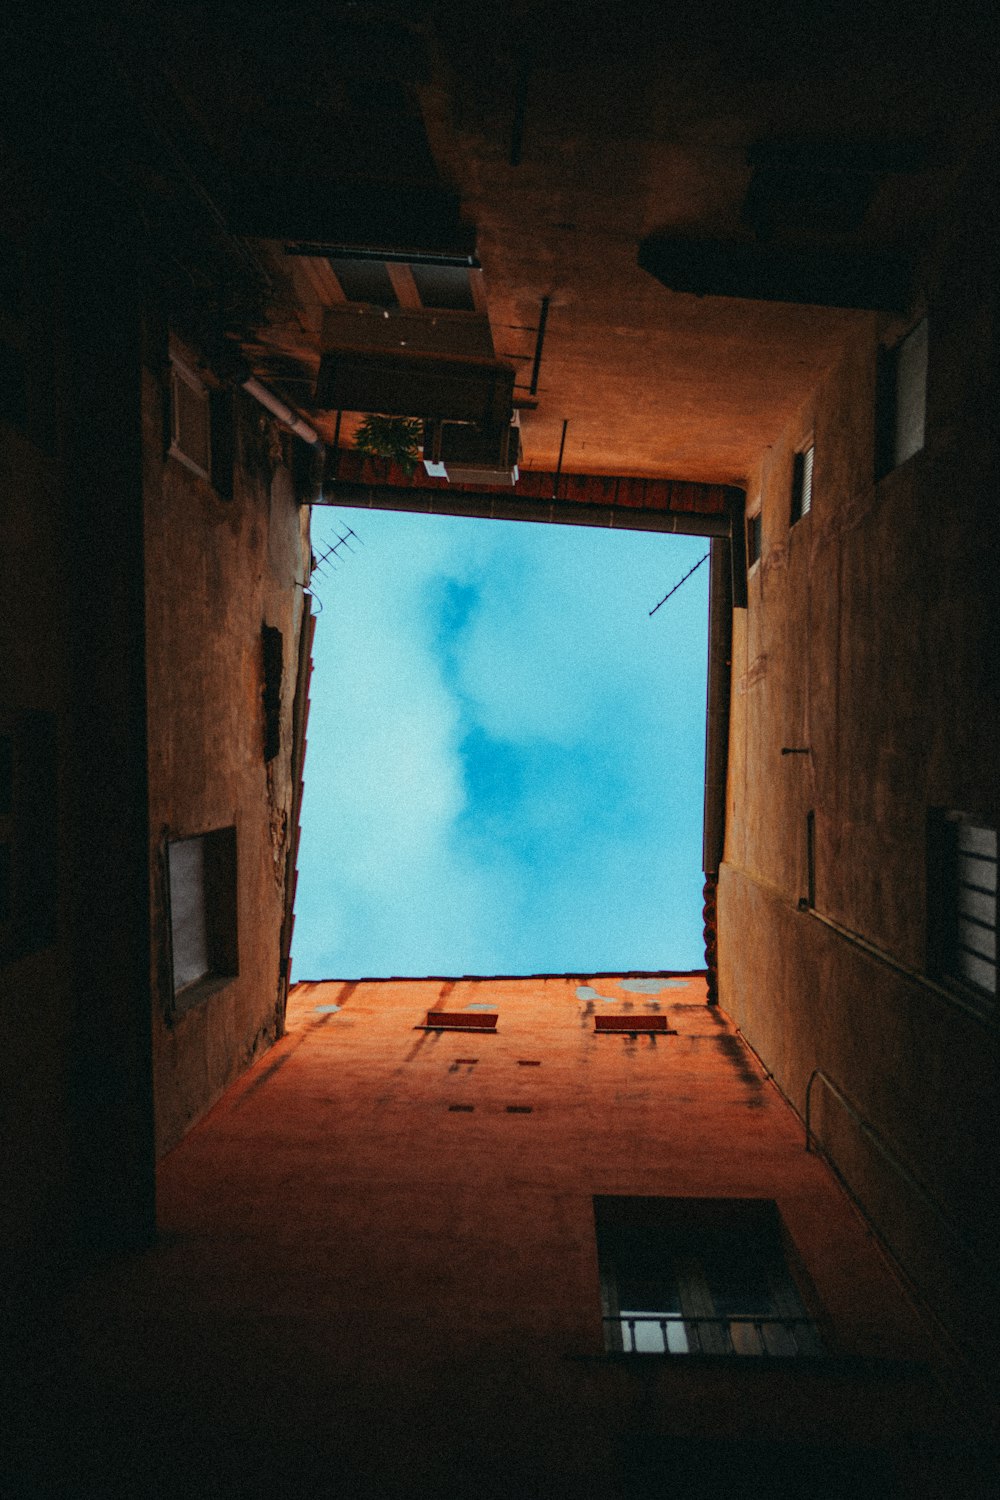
{"points": [[698, 1276], [753, 539], [802, 483], [222, 442], [272, 650], [444, 286], [203, 902], [810, 859], [901, 401], [365, 281], [962, 903]]}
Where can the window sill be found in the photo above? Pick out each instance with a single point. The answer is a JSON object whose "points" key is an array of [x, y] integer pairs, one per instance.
{"points": [[198, 991]]}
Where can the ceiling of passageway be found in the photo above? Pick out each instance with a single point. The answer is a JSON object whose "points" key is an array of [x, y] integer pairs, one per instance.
{"points": [[633, 120]]}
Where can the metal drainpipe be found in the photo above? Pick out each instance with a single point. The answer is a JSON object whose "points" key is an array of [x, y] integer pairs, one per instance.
{"points": [[278, 409], [720, 630]]}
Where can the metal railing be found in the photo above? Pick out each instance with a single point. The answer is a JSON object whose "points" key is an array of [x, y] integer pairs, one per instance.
{"points": [[754, 1337]]}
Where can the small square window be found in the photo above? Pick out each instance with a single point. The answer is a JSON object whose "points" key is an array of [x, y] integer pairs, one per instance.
{"points": [[962, 901], [698, 1276], [753, 539], [901, 401], [802, 484], [203, 904]]}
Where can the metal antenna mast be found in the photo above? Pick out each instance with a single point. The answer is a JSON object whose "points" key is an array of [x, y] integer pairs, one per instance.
{"points": [[677, 585]]}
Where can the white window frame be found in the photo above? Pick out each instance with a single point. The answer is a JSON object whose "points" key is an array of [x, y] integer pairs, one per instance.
{"points": [[181, 372]]}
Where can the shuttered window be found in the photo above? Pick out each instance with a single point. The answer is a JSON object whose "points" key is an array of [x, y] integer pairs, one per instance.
{"points": [[802, 484], [962, 890]]}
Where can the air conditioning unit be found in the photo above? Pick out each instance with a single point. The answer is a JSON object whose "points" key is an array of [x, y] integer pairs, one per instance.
{"points": [[471, 453]]}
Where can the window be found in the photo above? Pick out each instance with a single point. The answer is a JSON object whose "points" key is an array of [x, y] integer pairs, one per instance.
{"points": [[201, 875], [901, 400], [698, 1276], [810, 859], [190, 419], [962, 900], [753, 539], [443, 286], [222, 442], [271, 647], [365, 281], [802, 484]]}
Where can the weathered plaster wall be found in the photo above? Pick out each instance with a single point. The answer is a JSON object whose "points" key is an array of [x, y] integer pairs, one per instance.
{"points": [[870, 638], [216, 571]]}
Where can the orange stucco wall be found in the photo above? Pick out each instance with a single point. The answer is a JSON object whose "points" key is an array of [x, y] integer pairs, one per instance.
{"points": [[398, 1266], [869, 642]]}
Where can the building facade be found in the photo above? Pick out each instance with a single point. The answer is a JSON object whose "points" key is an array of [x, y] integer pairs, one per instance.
{"points": [[734, 276]]}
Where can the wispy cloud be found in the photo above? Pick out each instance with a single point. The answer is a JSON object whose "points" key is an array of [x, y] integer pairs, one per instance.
{"points": [[504, 766]]}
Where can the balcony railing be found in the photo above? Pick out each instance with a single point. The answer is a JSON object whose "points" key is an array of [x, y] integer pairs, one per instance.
{"points": [[650, 1333]]}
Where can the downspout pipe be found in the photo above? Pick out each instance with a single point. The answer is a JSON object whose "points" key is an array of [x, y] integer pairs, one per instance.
{"points": [[284, 413], [720, 635]]}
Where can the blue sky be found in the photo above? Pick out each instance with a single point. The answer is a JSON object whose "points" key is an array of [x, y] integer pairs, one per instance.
{"points": [[505, 760]]}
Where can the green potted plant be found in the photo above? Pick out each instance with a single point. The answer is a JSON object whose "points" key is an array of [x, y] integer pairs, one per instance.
{"points": [[396, 440]]}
